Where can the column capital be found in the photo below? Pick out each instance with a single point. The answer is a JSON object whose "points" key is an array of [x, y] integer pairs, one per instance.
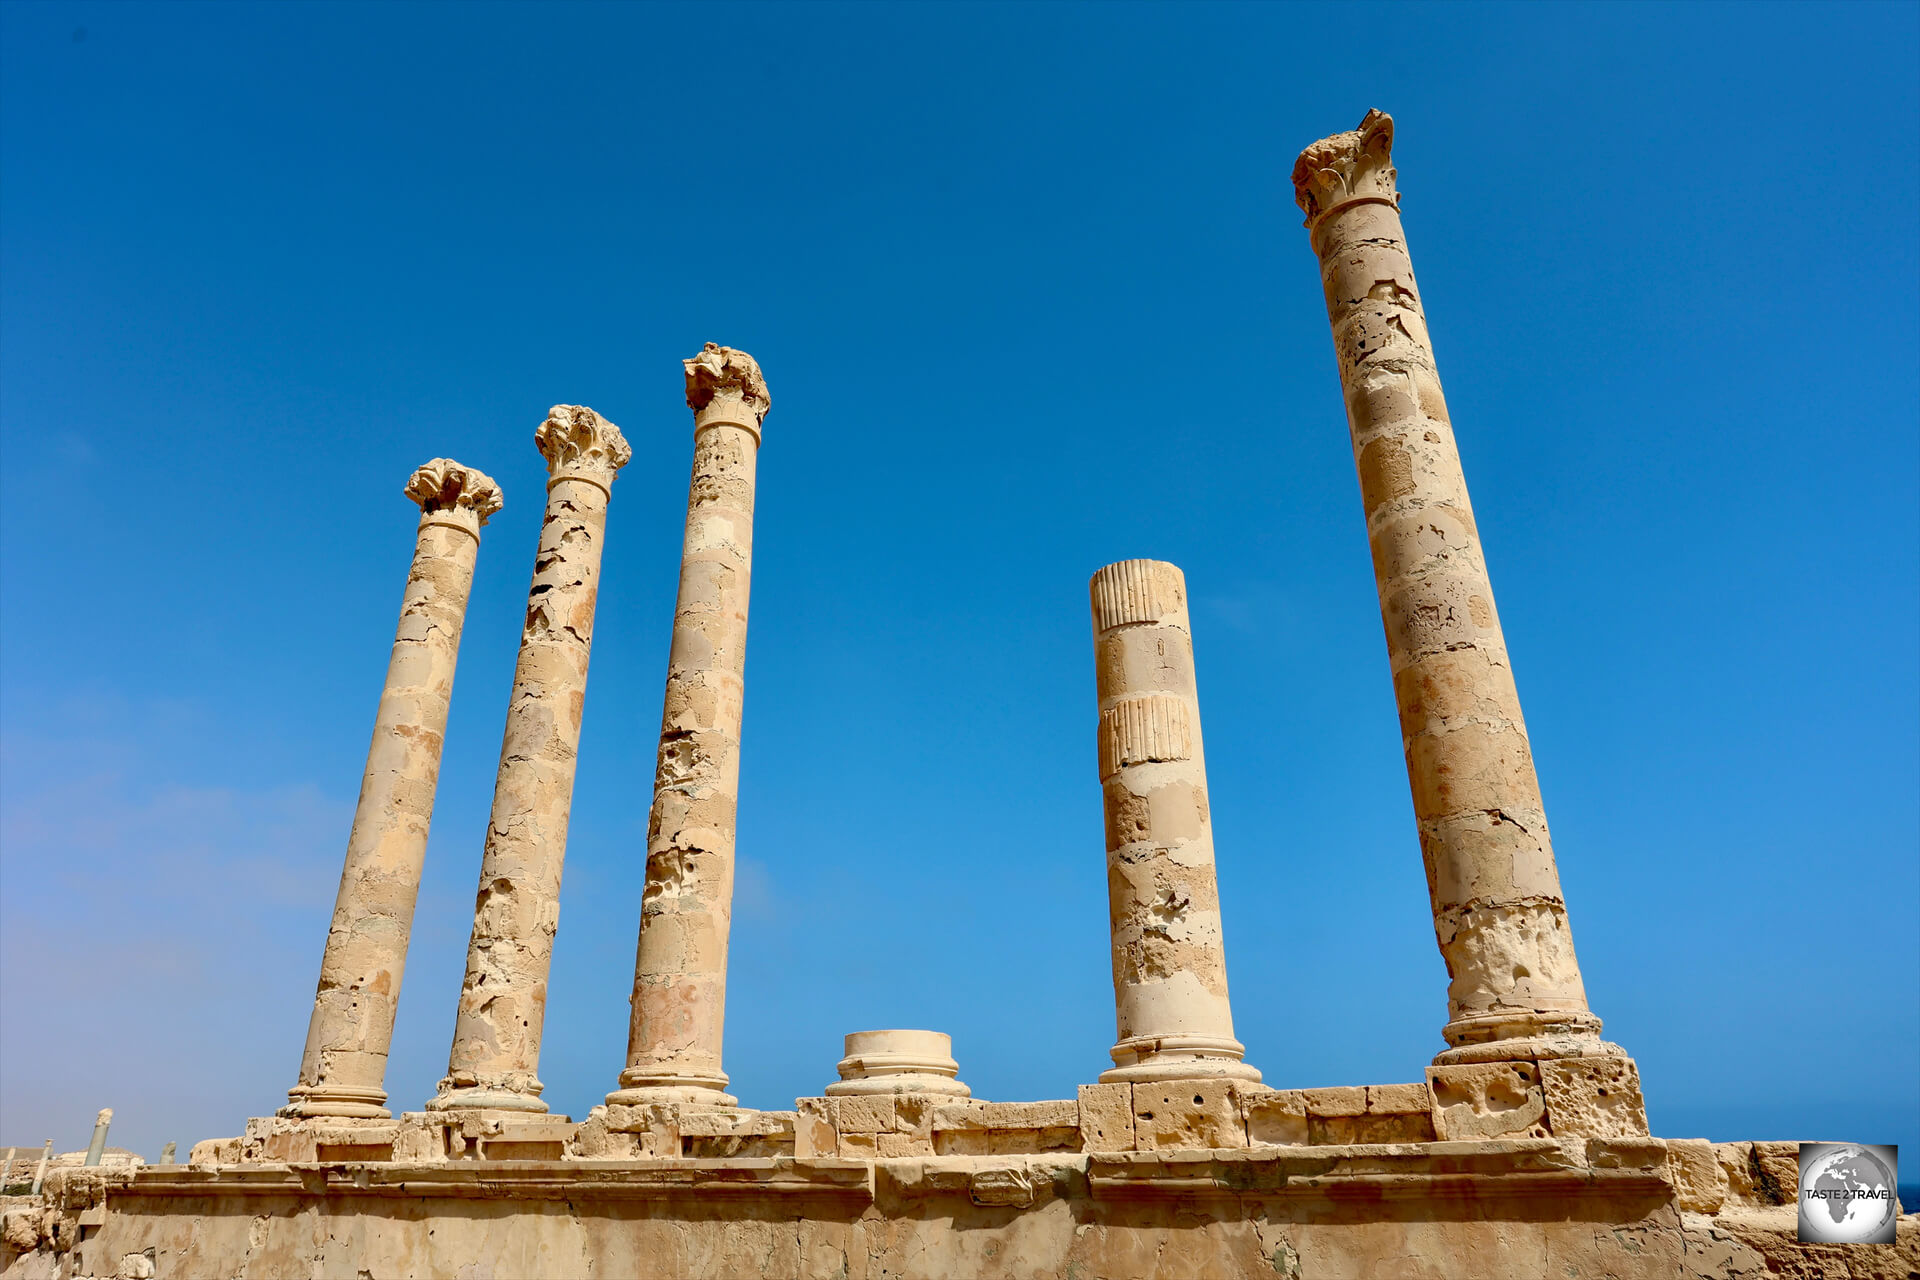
{"points": [[724, 386], [1355, 167], [457, 495], [579, 444]]}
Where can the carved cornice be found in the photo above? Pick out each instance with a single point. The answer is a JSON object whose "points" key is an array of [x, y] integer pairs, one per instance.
{"points": [[1348, 168], [443, 485], [579, 443], [720, 373]]}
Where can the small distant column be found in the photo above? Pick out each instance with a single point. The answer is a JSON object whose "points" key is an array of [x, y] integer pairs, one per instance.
{"points": [[503, 1002], [166, 1152], [40, 1171], [1501, 921], [1169, 958], [680, 971], [343, 1070], [98, 1147]]}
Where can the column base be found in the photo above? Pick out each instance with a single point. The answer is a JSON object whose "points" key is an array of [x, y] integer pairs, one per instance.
{"points": [[1524, 1037], [644, 1088], [883, 1062], [312, 1102], [479, 1098], [1147, 1059]]}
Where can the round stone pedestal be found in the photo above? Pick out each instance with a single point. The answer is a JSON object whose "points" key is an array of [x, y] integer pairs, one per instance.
{"points": [[898, 1062]]}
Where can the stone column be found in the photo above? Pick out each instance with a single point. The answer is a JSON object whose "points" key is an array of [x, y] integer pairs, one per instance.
{"points": [[1169, 958], [503, 1002], [1516, 992], [40, 1170], [98, 1146], [343, 1070], [680, 973]]}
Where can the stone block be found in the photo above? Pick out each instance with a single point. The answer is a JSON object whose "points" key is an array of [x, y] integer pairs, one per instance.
{"points": [[1274, 1117], [1187, 1113], [1001, 1185], [1008, 1142], [1346, 1100], [1487, 1100], [859, 1146], [661, 1136], [915, 1179], [870, 1113], [420, 1143], [1593, 1098], [1736, 1162], [1341, 1131], [711, 1124], [725, 1135], [352, 1133], [913, 1112], [1106, 1117], [738, 1147], [1626, 1153], [1031, 1115], [288, 1146], [813, 1131], [214, 1152], [508, 1149], [726, 1124], [621, 1118], [1699, 1183], [1777, 1171], [894, 1146], [960, 1142], [961, 1115], [1399, 1099]]}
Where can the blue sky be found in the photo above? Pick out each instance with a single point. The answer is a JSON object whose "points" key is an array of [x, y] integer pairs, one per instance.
{"points": [[1032, 296]]}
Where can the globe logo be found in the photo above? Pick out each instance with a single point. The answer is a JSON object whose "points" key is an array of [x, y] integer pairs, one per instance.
{"points": [[1847, 1193]]}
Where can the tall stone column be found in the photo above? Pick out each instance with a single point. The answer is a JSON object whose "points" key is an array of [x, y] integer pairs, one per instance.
{"points": [[343, 1070], [680, 972], [1516, 992], [503, 1002], [1169, 957]]}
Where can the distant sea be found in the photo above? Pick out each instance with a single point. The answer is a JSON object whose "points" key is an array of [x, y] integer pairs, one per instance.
{"points": [[1909, 1193]]}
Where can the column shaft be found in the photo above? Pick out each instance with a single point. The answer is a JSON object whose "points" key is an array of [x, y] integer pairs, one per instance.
{"points": [[680, 970], [495, 1058], [98, 1145], [1169, 957], [1498, 913], [343, 1070]]}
